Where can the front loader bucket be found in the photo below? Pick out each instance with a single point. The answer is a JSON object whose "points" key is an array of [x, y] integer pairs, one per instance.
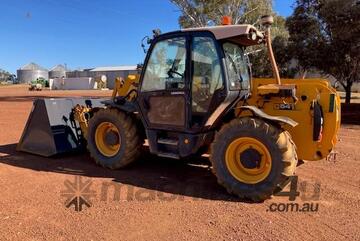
{"points": [[50, 130]]}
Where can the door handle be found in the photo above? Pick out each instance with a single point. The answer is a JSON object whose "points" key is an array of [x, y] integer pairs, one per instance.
{"points": [[146, 104]]}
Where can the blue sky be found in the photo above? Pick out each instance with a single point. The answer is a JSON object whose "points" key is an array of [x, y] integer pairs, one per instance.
{"points": [[84, 33]]}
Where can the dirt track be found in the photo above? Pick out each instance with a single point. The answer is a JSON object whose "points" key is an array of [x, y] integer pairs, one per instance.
{"points": [[161, 199]]}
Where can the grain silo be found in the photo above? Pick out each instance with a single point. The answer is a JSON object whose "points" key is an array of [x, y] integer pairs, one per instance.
{"points": [[58, 71], [31, 72]]}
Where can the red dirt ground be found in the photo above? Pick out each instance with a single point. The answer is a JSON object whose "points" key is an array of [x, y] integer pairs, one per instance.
{"points": [[32, 207]]}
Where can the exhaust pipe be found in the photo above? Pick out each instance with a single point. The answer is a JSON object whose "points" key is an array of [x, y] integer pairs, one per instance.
{"points": [[267, 21]]}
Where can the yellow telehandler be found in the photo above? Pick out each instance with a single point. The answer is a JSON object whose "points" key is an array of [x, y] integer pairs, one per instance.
{"points": [[195, 95]]}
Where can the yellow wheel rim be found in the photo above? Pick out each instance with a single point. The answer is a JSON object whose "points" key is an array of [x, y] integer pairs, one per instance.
{"points": [[245, 167], [102, 131]]}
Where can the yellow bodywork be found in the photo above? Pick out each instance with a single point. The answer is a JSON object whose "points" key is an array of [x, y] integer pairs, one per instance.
{"points": [[273, 88], [299, 109], [80, 113], [123, 87], [318, 90]]}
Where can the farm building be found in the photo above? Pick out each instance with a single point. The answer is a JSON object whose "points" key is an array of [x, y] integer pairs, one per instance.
{"points": [[31, 72], [110, 72], [58, 71]]}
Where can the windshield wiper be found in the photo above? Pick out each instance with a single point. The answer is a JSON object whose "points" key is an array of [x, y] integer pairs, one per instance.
{"points": [[235, 68]]}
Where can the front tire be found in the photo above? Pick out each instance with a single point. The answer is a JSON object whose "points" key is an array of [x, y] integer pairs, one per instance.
{"points": [[252, 158], [113, 138]]}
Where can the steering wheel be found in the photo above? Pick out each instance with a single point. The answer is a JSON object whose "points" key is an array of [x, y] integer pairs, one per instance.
{"points": [[171, 72]]}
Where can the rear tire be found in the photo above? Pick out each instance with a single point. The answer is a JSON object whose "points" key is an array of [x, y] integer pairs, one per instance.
{"points": [[128, 142], [273, 144]]}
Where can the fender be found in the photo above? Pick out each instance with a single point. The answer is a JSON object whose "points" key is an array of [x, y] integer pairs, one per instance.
{"points": [[257, 112]]}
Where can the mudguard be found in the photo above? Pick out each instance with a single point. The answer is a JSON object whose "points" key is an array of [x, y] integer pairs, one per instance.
{"points": [[259, 113]]}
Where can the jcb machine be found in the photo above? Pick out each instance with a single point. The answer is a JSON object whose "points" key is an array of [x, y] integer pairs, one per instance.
{"points": [[195, 95]]}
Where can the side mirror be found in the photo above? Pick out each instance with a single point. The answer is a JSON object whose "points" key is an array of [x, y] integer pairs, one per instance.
{"points": [[156, 32]]}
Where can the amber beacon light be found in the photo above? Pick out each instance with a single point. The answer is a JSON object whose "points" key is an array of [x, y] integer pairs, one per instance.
{"points": [[226, 20]]}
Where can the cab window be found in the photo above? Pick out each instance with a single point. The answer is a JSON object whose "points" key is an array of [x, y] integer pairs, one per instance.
{"points": [[166, 66], [237, 66], [207, 76]]}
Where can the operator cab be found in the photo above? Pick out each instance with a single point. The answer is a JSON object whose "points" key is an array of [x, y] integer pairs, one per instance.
{"points": [[193, 76]]}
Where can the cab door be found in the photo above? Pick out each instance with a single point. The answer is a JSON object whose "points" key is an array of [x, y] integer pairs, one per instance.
{"points": [[164, 85], [208, 90]]}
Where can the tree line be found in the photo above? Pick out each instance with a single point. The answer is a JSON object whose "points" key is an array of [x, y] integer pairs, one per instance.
{"points": [[4, 75]]}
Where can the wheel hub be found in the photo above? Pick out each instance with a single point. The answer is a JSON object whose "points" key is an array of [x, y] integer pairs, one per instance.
{"points": [[250, 158], [111, 138], [107, 139]]}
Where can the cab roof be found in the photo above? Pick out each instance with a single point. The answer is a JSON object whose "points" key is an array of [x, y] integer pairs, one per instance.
{"points": [[239, 33]]}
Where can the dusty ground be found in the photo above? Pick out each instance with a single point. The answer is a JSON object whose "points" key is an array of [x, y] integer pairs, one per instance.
{"points": [[160, 198]]}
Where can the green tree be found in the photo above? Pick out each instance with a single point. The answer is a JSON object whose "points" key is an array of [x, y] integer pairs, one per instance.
{"points": [[261, 65], [325, 34], [200, 13], [4, 75]]}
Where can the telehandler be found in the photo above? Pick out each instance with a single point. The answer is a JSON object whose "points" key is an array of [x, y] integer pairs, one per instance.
{"points": [[195, 95]]}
